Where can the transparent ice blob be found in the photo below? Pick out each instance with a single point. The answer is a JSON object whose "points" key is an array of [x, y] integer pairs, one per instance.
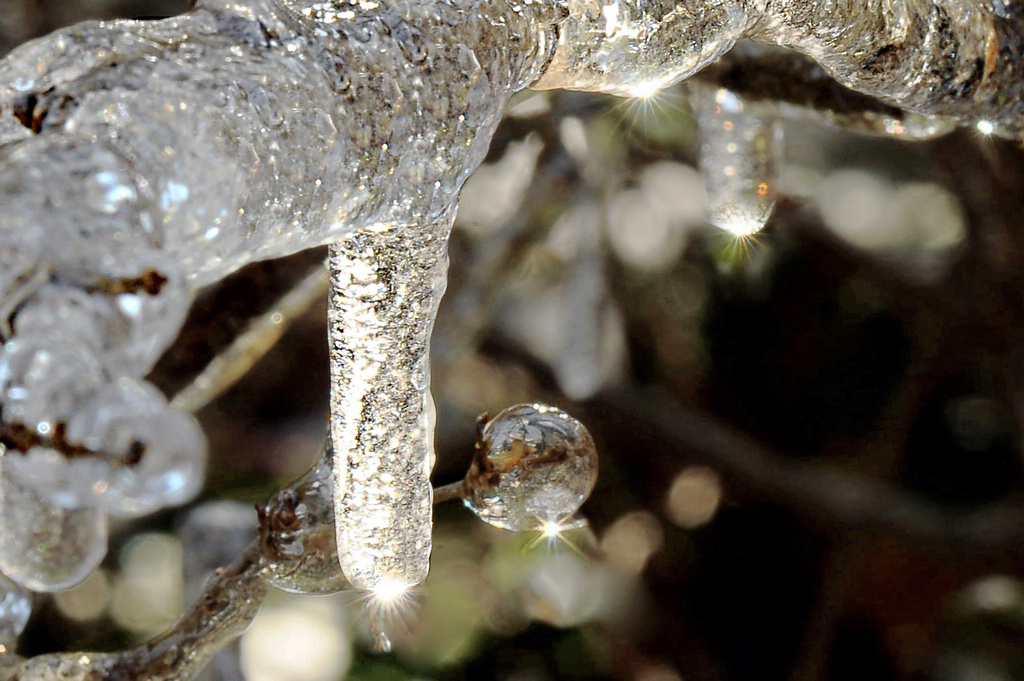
{"points": [[154, 454], [534, 465], [44, 547]]}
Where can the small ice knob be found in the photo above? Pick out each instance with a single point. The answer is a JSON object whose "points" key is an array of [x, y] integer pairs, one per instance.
{"points": [[534, 465]]}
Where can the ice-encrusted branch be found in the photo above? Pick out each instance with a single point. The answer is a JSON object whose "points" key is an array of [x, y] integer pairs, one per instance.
{"points": [[533, 464], [953, 58], [140, 161], [295, 550]]}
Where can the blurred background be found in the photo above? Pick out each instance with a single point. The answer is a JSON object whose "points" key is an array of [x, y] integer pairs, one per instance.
{"points": [[810, 437]]}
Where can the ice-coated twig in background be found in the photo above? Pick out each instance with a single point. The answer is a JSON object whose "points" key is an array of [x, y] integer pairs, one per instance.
{"points": [[955, 58], [740, 157], [252, 344]]}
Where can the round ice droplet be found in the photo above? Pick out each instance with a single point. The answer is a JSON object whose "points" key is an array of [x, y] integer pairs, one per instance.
{"points": [[534, 465], [43, 547]]}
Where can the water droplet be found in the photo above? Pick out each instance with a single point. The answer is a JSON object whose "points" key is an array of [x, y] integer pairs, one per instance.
{"points": [[381, 642], [534, 464]]}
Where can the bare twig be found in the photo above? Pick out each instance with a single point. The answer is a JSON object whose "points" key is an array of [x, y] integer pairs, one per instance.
{"points": [[838, 500], [455, 490], [262, 334]]}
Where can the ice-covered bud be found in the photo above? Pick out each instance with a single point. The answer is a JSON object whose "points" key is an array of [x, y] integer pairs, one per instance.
{"points": [[154, 454], [534, 466], [71, 312], [153, 299], [298, 536], [126, 320], [44, 380]]}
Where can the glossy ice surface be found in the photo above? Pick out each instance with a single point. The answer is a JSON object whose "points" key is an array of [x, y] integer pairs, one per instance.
{"points": [[534, 466]]}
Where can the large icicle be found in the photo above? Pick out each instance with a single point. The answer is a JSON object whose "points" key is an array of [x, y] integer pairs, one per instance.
{"points": [[387, 285]]}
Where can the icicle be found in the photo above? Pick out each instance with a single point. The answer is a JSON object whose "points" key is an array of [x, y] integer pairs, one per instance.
{"points": [[739, 159], [387, 285]]}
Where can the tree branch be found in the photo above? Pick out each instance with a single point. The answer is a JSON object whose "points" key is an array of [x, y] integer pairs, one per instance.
{"points": [[839, 500]]}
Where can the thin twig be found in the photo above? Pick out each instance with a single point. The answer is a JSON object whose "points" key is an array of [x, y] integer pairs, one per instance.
{"points": [[839, 500], [455, 490], [261, 335]]}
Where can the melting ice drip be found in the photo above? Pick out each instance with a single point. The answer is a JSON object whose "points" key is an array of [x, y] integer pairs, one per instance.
{"points": [[141, 161], [739, 158]]}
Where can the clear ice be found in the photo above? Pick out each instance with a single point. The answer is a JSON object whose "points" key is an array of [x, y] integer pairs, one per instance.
{"points": [[140, 161], [44, 547], [534, 467], [15, 609], [741, 145]]}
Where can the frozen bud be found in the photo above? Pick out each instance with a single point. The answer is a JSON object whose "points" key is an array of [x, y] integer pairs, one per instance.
{"points": [[534, 465], [154, 455], [298, 536], [44, 380], [44, 547], [127, 318], [153, 298], [67, 483]]}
